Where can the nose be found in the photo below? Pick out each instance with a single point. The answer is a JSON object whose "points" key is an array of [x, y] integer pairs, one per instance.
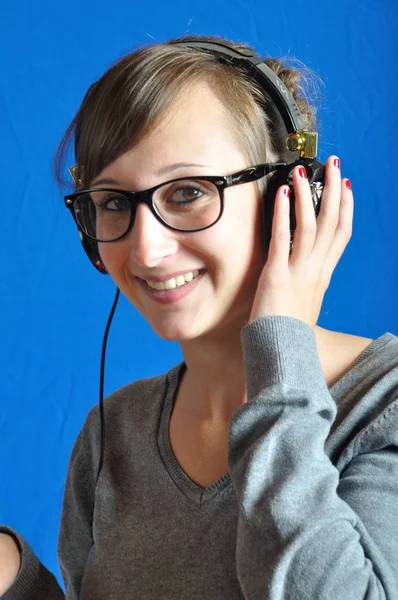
{"points": [[150, 240]]}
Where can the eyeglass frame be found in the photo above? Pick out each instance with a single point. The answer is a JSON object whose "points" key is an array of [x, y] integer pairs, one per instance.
{"points": [[221, 182]]}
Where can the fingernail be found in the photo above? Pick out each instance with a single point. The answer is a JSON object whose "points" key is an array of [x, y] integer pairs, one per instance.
{"points": [[303, 172], [287, 192], [348, 184], [336, 163]]}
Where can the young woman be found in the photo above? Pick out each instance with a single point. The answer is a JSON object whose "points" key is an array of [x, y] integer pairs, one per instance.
{"points": [[265, 466]]}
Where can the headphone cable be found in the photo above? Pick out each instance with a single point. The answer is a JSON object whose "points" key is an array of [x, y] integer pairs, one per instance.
{"points": [[102, 377]]}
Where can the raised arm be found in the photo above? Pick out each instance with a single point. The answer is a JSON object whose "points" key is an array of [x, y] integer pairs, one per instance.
{"points": [[309, 528]]}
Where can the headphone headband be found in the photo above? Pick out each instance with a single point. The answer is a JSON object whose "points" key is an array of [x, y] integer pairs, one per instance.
{"points": [[299, 139], [264, 76]]}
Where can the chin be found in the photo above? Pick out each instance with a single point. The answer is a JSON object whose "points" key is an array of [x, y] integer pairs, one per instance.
{"points": [[190, 331], [174, 332]]}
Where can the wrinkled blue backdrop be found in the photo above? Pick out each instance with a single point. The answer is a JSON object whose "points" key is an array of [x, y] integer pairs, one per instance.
{"points": [[54, 305]]}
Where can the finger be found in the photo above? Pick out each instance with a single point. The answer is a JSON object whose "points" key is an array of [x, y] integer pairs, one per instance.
{"points": [[280, 237], [343, 231], [304, 235], [329, 213]]}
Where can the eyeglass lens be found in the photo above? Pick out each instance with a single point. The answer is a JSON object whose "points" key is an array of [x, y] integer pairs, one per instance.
{"points": [[185, 205]]}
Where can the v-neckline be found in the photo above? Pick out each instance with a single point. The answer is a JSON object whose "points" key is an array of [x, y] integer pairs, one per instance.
{"points": [[189, 488]]}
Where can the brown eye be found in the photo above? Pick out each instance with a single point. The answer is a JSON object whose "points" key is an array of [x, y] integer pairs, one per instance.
{"points": [[114, 203], [185, 194]]}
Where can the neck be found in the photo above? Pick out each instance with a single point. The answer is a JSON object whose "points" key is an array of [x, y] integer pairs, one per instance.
{"points": [[214, 384]]}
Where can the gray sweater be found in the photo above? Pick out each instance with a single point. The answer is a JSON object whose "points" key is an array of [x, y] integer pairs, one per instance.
{"points": [[307, 510]]}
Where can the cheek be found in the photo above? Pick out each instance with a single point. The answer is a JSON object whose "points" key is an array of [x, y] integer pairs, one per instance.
{"points": [[234, 246], [114, 256], [244, 229], [251, 239]]}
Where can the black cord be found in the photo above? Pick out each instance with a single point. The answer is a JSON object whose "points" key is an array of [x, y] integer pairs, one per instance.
{"points": [[102, 377]]}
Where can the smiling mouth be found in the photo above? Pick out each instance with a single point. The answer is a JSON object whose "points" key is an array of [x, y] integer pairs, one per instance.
{"points": [[174, 282]]}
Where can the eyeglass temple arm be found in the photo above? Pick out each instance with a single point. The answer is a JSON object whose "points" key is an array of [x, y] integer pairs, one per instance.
{"points": [[253, 173]]}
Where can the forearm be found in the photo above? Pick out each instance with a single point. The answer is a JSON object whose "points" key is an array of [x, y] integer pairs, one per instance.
{"points": [[296, 537]]}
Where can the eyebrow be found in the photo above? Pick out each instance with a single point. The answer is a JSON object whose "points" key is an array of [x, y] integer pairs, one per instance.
{"points": [[159, 172]]}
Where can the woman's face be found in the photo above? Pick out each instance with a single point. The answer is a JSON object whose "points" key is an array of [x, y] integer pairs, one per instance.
{"points": [[228, 255]]}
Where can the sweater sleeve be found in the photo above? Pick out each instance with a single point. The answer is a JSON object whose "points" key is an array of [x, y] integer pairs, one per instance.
{"points": [[34, 581], [304, 531], [75, 536]]}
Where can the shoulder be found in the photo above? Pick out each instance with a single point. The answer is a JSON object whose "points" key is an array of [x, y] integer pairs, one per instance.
{"points": [[366, 395], [339, 352], [358, 358]]}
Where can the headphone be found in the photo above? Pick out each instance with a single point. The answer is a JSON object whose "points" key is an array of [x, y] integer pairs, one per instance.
{"points": [[298, 140]]}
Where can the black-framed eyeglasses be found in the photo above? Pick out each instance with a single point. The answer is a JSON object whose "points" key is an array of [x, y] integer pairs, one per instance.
{"points": [[184, 204]]}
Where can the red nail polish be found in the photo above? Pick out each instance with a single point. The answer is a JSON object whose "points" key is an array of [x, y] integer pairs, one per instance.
{"points": [[303, 172], [336, 163], [287, 192], [348, 184]]}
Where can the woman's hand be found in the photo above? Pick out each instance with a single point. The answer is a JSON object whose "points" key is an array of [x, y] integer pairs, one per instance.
{"points": [[294, 286], [10, 561]]}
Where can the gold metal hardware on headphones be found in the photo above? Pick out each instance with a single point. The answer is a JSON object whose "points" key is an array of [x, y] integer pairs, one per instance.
{"points": [[306, 142], [73, 172]]}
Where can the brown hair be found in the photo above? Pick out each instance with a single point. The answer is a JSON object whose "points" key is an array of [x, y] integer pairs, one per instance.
{"points": [[133, 95]]}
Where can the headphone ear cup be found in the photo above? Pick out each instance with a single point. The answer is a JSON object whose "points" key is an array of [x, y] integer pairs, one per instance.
{"points": [[315, 173], [91, 249]]}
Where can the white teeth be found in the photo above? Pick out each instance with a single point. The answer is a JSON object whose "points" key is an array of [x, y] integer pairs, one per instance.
{"points": [[170, 284], [189, 276]]}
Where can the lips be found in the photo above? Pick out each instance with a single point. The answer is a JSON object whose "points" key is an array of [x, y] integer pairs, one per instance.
{"points": [[174, 295], [175, 282]]}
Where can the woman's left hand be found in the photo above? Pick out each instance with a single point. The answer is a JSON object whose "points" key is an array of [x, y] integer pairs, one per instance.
{"points": [[294, 285]]}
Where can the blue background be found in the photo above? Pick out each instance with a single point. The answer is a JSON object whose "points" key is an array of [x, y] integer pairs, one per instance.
{"points": [[54, 305]]}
